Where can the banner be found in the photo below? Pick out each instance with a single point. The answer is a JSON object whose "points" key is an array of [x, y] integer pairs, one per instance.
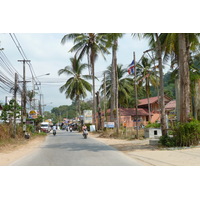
{"points": [[32, 114], [109, 124], [87, 116]]}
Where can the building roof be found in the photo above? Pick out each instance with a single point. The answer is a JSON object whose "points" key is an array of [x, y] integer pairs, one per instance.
{"points": [[171, 105], [151, 100], [132, 112]]}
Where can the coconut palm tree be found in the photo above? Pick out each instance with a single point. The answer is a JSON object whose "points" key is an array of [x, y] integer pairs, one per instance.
{"points": [[76, 86], [125, 85], [181, 44], [155, 43], [113, 43], [30, 94], [90, 44], [147, 76]]}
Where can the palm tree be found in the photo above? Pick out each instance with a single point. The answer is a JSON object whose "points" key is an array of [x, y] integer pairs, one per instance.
{"points": [[113, 43], [125, 85], [30, 94], [148, 76], [76, 86], [155, 43], [90, 44], [182, 44]]}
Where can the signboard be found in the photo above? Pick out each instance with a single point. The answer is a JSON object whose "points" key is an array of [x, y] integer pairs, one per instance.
{"points": [[32, 114], [87, 116], [109, 124]]}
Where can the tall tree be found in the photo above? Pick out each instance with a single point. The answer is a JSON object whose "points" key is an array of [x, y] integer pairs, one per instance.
{"points": [[113, 43], [155, 43], [90, 44], [182, 44], [125, 85], [30, 94], [147, 76], [76, 86]]}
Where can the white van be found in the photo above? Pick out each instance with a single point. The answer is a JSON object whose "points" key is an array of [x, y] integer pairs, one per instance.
{"points": [[45, 126]]}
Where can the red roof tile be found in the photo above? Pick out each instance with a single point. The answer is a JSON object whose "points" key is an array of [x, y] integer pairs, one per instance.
{"points": [[131, 112], [171, 105], [151, 100]]}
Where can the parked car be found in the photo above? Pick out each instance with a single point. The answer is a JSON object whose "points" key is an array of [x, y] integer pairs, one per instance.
{"points": [[45, 127]]}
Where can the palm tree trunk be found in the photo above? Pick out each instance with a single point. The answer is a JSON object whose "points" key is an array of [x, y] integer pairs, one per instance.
{"points": [[79, 106], [184, 78], [93, 86], [162, 103], [148, 91], [116, 85], [113, 87]]}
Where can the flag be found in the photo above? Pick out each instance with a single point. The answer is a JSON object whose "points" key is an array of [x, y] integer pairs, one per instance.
{"points": [[131, 68]]}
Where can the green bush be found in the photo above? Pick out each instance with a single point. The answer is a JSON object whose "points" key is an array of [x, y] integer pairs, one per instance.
{"points": [[184, 134], [187, 134], [167, 141], [30, 128], [152, 125]]}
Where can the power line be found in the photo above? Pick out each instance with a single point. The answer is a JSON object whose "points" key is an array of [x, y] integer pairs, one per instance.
{"points": [[5, 58], [21, 51]]}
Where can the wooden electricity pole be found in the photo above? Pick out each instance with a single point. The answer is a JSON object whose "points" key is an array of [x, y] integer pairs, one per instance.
{"points": [[15, 103], [24, 98], [136, 98]]}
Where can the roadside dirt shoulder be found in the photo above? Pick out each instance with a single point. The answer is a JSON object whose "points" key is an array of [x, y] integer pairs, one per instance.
{"points": [[148, 155], [13, 152]]}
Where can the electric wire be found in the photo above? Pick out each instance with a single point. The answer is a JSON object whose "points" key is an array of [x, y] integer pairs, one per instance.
{"points": [[21, 51], [9, 64]]}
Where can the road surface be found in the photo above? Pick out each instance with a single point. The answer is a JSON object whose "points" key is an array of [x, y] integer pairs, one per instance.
{"points": [[70, 149]]}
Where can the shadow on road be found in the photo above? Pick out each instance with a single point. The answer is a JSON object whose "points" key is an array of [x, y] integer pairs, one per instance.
{"points": [[88, 145]]}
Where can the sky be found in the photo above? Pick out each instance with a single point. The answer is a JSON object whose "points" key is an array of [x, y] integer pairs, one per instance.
{"points": [[48, 55]]}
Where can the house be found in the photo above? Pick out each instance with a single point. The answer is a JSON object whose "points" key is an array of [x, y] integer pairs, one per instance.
{"points": [[128, 115], [154, 106], [170, 109]]}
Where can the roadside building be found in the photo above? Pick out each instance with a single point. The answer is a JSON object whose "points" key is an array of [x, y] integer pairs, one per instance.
{"points": [[128, 115], [154, 106]]}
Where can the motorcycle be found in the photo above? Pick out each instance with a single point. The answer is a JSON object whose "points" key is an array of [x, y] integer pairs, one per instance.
{"points": [[85, 133], [54, 132], [70, 129]]}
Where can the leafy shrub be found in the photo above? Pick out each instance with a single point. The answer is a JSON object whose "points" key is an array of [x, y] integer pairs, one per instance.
{"points": [[167, 141], [187, 134], [184, 134], [30, 128], [152, 125]]}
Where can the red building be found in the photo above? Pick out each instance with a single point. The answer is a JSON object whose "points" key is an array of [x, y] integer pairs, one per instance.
{"points": [[128, 115]]}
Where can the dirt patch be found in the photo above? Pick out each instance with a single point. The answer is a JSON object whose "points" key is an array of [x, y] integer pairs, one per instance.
{"points": [[125, 145], [12, 152], [148, 155]]}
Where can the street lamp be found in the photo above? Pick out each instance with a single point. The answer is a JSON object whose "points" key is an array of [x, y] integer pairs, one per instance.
{"points": [[39, 83]]}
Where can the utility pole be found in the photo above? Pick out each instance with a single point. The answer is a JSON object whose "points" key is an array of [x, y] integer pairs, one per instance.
{"points": [[40, 105], [136, 98], [15, 104], [24, 98], [6, 100]]}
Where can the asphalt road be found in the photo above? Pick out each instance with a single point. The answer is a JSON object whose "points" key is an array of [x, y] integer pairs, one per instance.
{"points": [[71, 149]]}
